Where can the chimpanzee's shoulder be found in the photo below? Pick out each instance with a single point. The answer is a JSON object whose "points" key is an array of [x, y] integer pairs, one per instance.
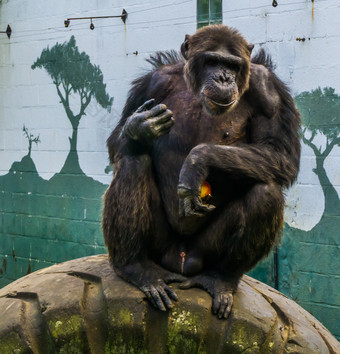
{"points": [[262, 75], [265, 90], [165, 75], [165, 79]]}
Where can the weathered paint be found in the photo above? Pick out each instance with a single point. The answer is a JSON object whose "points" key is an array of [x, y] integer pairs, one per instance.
{"points": [[51, 188]]}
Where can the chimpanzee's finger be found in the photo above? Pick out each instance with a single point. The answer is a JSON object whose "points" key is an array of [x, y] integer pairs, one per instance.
{"points": [[216, 304], [163, 118], [170, 292], [167, 124], [157, 123], [165, 298], [194, 209], [228, 308], [157, 298], [188, 206], [146, 105], [150, 298], [157, 110], [165, 128], [223, 305], [187, 284], [202, 208]]}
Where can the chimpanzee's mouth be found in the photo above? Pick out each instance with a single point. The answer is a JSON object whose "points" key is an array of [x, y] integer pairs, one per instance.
{"points": [[220, 104], [211, 101]]}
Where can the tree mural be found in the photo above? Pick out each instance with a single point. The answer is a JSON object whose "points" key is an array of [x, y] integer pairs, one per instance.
{"points": [[308, 261], [73, 74], [51, 221], [320, 113], [31, 139]]}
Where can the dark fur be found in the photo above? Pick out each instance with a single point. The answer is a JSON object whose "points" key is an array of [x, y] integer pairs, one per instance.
{"points": [[247, 167]]}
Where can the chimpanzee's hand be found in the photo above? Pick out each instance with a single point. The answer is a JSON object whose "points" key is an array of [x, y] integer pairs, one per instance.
{"points": [[190, 203], [193, 173], [152, 280], [148, 124]]}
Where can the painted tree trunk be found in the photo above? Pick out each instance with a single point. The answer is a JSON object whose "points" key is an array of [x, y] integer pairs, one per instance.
{"points": [[71, 165]]}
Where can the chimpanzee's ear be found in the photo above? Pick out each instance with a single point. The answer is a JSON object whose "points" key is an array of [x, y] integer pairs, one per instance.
{"points": [[250, 47], [185, 46]]}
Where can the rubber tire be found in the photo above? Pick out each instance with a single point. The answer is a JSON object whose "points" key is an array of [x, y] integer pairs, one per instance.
{"points": [[81, 306]]}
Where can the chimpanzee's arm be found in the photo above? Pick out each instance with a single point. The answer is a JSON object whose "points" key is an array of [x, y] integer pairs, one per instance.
{"points": [[139, 131], [272, 154], [127, 214], [142, 121]]}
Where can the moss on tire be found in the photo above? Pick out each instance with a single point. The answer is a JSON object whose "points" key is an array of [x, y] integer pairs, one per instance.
{"points": [[81, 306]]}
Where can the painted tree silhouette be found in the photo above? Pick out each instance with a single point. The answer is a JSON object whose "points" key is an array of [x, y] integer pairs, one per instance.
{"points": [[320, 112], [31, 139], [73, 74]]}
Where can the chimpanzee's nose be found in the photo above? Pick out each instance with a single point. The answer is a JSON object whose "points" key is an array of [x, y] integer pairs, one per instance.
{"points": [[224, 78]]}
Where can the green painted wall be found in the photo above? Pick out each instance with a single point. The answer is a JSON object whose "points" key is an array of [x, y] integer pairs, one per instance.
{"points": [[43, 222], [309, 261]]}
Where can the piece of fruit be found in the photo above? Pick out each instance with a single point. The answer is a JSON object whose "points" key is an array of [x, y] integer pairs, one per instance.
{"points": [[205, 190]]}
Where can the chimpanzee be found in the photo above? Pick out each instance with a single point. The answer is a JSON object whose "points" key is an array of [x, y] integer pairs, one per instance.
{"points": [[210, 116]]}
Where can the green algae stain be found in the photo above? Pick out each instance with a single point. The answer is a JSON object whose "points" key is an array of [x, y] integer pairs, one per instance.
{"points": [[69, 335], [125, 336], [183, 334], [12, 344], [243, 337], [125, 318], [66, 327]]}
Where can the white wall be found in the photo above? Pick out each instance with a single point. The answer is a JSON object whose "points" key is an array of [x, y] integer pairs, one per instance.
{"points": [[29, 97]]}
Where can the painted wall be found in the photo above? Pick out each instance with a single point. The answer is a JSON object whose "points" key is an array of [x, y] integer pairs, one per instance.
{"points": [[54, 122]]}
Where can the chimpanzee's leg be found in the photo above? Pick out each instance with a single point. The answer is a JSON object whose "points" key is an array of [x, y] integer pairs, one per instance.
{"points": [[241, 235], [134, 226]]}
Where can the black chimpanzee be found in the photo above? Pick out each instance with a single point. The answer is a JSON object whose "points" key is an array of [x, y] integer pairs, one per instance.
{"points": [[210, 116]]}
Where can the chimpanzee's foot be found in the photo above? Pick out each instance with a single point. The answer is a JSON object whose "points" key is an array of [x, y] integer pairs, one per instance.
{"points": [[221, 291], [152, 280]]}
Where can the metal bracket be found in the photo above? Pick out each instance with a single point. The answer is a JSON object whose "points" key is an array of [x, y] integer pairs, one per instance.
{"points": [[8, 31], [123, 17]]}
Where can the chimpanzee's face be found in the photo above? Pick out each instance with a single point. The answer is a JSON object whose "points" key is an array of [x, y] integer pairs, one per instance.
{"points": [[219, 91], [217, 67]]}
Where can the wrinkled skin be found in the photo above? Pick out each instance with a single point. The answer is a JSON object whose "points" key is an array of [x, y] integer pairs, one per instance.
{"points": [[217, 117]]}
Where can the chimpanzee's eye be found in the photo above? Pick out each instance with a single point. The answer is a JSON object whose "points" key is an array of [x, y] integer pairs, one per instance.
{"points": [[210, 62], [233, 67]]}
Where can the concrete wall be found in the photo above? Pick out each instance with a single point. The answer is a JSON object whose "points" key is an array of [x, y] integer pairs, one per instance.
{"points": [[50, 195]]}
